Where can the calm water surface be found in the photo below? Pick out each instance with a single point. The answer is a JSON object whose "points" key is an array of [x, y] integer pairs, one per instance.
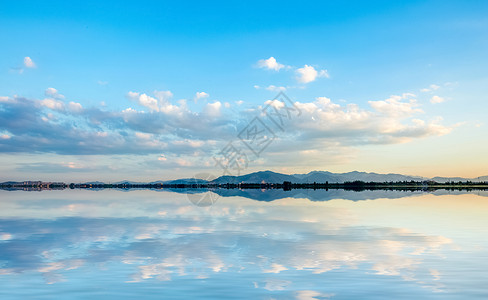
{"points": [[113, 244]]}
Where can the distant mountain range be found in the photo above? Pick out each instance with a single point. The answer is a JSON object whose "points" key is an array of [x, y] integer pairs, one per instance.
{"points": [[314, 176], [324, 176], [457, 179]]}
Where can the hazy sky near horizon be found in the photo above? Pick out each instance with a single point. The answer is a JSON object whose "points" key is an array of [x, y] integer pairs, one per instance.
{"points": [[147, 90]]}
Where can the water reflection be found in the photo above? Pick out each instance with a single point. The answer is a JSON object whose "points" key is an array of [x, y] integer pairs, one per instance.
{"points": [[331, 194], [81, 243]]}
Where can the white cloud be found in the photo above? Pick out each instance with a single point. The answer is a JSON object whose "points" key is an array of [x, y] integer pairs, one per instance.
{"points": [[431, 88], [163, 96], [388, 122], [436, 100], [308, 74], [28, 62], [213, 109], [158, 103], [277, 104], [75, 107], [53, 93], [324, 73], [190, 143], [323, 124], [143, 136], [133, 95], [53, 104], [270, 64], [101, 82], [396, 107], [148, 102], [200, 95], [183, 162], [274, 88]]}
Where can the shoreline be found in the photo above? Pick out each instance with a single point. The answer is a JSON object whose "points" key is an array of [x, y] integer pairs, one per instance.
{"points": [[286, 186]]}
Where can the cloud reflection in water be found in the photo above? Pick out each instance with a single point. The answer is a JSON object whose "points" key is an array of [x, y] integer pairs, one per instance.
{"points": [[288, 246]]}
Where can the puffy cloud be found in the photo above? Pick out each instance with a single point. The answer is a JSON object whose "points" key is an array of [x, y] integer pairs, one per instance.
{"points": [[183, 162], [28, 62], [388, 121], [75, 107], [53, 104], [270, 64], [163, 96], [213, 109], [200, 95], [54, 126], [143, 136], [275, 103], [53, 93], [324, 129], [308, 74], [436, 100], [148, 102], [62, 167], [133, 95], [191, 143], [396, 107], [160, 101], [35, 130], [144, 100]]}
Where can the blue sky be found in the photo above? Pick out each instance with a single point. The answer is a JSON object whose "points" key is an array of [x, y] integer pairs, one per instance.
{"points": [[108, 90]]}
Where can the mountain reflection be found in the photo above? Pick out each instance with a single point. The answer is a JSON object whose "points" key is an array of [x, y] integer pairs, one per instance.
{"points": [[287, 247], [329, 194]]}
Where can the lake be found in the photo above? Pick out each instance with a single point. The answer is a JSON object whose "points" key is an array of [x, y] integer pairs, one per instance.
{"points": [[114, 244]]}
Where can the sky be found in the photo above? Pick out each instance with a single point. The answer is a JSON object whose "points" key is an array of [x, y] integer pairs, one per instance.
{"points": [[157, 90]]}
